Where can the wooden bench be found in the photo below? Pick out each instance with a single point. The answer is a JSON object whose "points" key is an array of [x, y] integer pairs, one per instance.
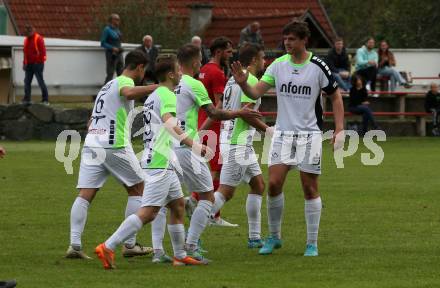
{"points": [[420, 117]]}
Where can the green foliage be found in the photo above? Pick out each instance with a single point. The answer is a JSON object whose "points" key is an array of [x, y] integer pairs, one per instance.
{"points": [[142, 17], [380, 227], [404, 23]]}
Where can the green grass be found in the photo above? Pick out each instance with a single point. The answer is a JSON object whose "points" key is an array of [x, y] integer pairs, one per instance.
{"points": [[380, 227]]}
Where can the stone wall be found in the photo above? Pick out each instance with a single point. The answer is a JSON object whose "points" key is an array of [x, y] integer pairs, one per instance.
{"points": [[38, 121]]}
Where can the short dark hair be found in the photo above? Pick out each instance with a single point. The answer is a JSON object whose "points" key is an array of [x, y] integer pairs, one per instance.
{"points": [[134, 59], [338, 39], [368, 38], [164, 65], [219, 43], [298, 28], [248, 52], [187, 53]]}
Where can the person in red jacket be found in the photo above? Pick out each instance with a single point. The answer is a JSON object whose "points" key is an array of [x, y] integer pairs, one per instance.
{"points": [[34, 52]]}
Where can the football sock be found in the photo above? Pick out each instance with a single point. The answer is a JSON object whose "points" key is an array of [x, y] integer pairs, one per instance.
{"points": [[158, 227], [177, 235], [129, 227], [133, 205], [219, 202], [312, 211], [78, 218], [199, 220], [275, 207], [253, 210]]}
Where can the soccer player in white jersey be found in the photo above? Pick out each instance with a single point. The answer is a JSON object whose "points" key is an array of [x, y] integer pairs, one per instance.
{"points": [[239, 160], [298, 78], [191, 96], [107, 150], [162, 185]]}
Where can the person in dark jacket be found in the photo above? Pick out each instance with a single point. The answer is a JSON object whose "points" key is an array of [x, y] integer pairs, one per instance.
{"points": [[111, 42], [152, 52], [251, 34], [197, 41], [432, 104], [34, 56], [337, 60], [358, 103]]}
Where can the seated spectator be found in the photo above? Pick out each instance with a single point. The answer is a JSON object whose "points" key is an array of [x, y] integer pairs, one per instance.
{"points": [[432, 104], [197, 41], [337, 60], [251, 34], [358, 103], [386, 64], [366, 64]]}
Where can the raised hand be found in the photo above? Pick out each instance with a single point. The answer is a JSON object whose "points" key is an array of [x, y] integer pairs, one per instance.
{"points": [[238, 73]]}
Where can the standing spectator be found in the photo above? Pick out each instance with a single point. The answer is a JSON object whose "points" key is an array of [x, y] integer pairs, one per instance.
{"points": [[34, 56], [111, 42], [386, 64], [358, 103], [337, 60], [152, 52], [251, 34], [432, 104], [366, 63], [197, 41]]}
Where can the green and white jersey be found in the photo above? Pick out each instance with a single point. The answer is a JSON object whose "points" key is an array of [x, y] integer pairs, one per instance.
{"points": [[298, 88], [158, 142], [109, 116], [191, 95], [237, 131]]}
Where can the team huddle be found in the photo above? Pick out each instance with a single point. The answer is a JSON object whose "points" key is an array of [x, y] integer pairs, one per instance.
{"points": [[174, 154]]}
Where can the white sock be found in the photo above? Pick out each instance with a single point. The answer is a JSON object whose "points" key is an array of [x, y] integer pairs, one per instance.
{"points": [[253, 210], [275, 207], [158, 227], [133, 205], [219, 202], [177, 235], [199, 220], [78, 218], [312, 211], [131, 225]]}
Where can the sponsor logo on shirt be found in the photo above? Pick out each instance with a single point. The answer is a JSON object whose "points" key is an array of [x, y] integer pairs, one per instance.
{"points": [[294, 89]]}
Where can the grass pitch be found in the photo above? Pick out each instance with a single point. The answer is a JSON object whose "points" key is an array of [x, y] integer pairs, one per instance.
{"points": [[380, 227]]}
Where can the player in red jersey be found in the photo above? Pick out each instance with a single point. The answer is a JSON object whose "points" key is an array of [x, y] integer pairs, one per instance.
{"points": [[214, 80]]}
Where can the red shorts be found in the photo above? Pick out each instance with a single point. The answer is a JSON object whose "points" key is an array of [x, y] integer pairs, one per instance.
{"points": [[215, 127]]}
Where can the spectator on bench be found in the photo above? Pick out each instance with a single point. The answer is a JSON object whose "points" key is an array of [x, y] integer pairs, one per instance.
{"points": [[358, 103], [366, 64], [432, 104], [386, 64], [337, 60]]}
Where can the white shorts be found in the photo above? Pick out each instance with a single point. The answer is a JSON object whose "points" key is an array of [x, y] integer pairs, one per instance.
{"points": [[161, 187], [98, 163], [301, 151], [193, 171], [239, 164]]}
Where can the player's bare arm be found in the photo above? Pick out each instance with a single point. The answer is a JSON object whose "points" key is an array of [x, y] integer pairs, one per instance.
{"points": [[255, 122], [241, 77], [208, 122], [172, 126], [338, 114], [138, 92], [220, 114]]}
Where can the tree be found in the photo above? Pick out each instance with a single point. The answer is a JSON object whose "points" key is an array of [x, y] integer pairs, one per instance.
{"points": [[404, 23]]}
